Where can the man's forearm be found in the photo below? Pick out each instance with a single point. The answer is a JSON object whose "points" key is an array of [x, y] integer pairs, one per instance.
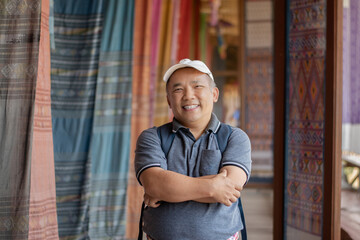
{"points": [[170, 186]]}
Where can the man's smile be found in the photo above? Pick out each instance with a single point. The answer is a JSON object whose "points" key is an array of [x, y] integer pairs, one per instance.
{"points": [[190, 107]]}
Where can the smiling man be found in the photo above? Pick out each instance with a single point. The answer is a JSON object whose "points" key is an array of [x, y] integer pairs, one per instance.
{"points": [[192, 188]]}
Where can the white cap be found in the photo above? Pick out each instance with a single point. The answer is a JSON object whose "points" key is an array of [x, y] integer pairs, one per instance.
{"points": [[198, 65]]}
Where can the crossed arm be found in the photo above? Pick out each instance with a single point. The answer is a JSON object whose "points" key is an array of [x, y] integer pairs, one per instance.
{"points": [[169, 186]]}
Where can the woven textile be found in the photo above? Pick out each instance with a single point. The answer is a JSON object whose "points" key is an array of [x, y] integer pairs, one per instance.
{"points": [[154, 55], [110, 138], [140, 118], [305, 120], [91, 103], [19, 48], [259, 88], [185, 23], [161, 113], [42, 211], [259, 112], [351, 78], [74, 70]]}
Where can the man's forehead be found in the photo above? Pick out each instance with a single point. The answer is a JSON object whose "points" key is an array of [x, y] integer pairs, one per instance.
{"points": [[188, 73]]}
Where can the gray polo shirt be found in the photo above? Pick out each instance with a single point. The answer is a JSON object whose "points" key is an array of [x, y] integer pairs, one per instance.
{"points": [[191, 157]]}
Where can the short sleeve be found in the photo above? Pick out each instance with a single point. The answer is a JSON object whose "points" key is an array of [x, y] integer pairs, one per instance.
{"points": [[238, 151], [148, 152]]}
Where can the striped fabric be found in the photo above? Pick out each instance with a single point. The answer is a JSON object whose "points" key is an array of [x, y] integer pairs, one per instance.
{"points": [[154, 55], [19, 49], [110, 139], [185, 29], [91, 103], [42, 212], [74, 71], [351, 80], [140, 118], [161, 113]]}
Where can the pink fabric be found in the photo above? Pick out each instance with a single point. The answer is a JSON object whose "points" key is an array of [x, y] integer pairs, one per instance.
{"points": [[42, 213]]}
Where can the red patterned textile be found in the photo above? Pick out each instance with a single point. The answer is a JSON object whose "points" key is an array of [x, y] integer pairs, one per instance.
{"points": [[305, 120]]}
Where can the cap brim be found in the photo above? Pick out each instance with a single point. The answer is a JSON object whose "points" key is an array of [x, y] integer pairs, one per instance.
{"points": [[172, 69]]}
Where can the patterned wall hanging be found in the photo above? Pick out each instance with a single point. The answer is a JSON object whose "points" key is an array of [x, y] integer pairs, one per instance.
{"points": [[305, 86]]}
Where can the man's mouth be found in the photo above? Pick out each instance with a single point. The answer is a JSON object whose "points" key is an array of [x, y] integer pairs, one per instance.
{"points": [[190, 107]]}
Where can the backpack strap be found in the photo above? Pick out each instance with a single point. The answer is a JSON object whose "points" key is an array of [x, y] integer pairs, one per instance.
{"points": [[166, 136], [222, 136], [243, 231], [140, 235]]}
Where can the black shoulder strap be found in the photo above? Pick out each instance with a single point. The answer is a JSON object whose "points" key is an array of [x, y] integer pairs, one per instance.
{"points": [[222, 136], [166, 136], [140, 235]]}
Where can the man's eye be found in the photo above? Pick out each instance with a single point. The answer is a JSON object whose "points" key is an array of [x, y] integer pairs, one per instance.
{"points": [[177, 89], [198, 86]]}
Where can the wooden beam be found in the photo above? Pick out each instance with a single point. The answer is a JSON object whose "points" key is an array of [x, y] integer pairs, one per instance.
{"points": [[241, 61], [333, 121], [279, 115]]}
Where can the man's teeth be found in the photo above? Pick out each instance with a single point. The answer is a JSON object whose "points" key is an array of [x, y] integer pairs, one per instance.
{"points": [[190, 107]]}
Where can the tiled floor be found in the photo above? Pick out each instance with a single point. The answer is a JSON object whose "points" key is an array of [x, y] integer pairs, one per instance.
{"points": [[350, 213], [258, 208]]}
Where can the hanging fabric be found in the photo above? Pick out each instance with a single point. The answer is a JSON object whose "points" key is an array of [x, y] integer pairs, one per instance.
{"points": [[91, 72], [351, 80], [154, 55], [184, 29], [140, 118], [74, 70], [20, 21], [110, 138], [161, 113], [42, 212]]}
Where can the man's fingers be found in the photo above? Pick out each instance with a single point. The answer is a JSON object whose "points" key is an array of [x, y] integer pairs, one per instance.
{"points": [[154, 204], [237, 194], [239, 187], [233, 199], [227, 203]]}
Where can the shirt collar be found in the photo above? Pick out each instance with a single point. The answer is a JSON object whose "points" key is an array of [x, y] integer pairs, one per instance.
{"points": [[213, 125]]}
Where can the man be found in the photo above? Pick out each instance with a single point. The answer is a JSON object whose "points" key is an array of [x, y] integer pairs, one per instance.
{"points": [[192, 192]]}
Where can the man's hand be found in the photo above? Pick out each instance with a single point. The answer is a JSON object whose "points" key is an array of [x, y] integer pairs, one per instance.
{"points": [[150, 201], [224, 190]]}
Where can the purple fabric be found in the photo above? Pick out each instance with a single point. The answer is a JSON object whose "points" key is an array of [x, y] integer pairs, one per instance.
{"points": [[351, 63]]}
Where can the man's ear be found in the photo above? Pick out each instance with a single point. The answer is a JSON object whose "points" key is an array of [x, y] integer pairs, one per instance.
{"points": [[215, 92], [167, 98]]}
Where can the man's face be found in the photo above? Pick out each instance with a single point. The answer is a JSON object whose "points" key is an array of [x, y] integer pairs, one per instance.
{"points": [[191, 97]]}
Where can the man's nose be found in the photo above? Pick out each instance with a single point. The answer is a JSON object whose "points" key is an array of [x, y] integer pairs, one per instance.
{"points": [[188, 93]]}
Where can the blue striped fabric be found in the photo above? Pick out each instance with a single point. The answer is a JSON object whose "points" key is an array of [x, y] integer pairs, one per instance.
{"points": [[110, 140], [74, 70], [91, 109]]}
